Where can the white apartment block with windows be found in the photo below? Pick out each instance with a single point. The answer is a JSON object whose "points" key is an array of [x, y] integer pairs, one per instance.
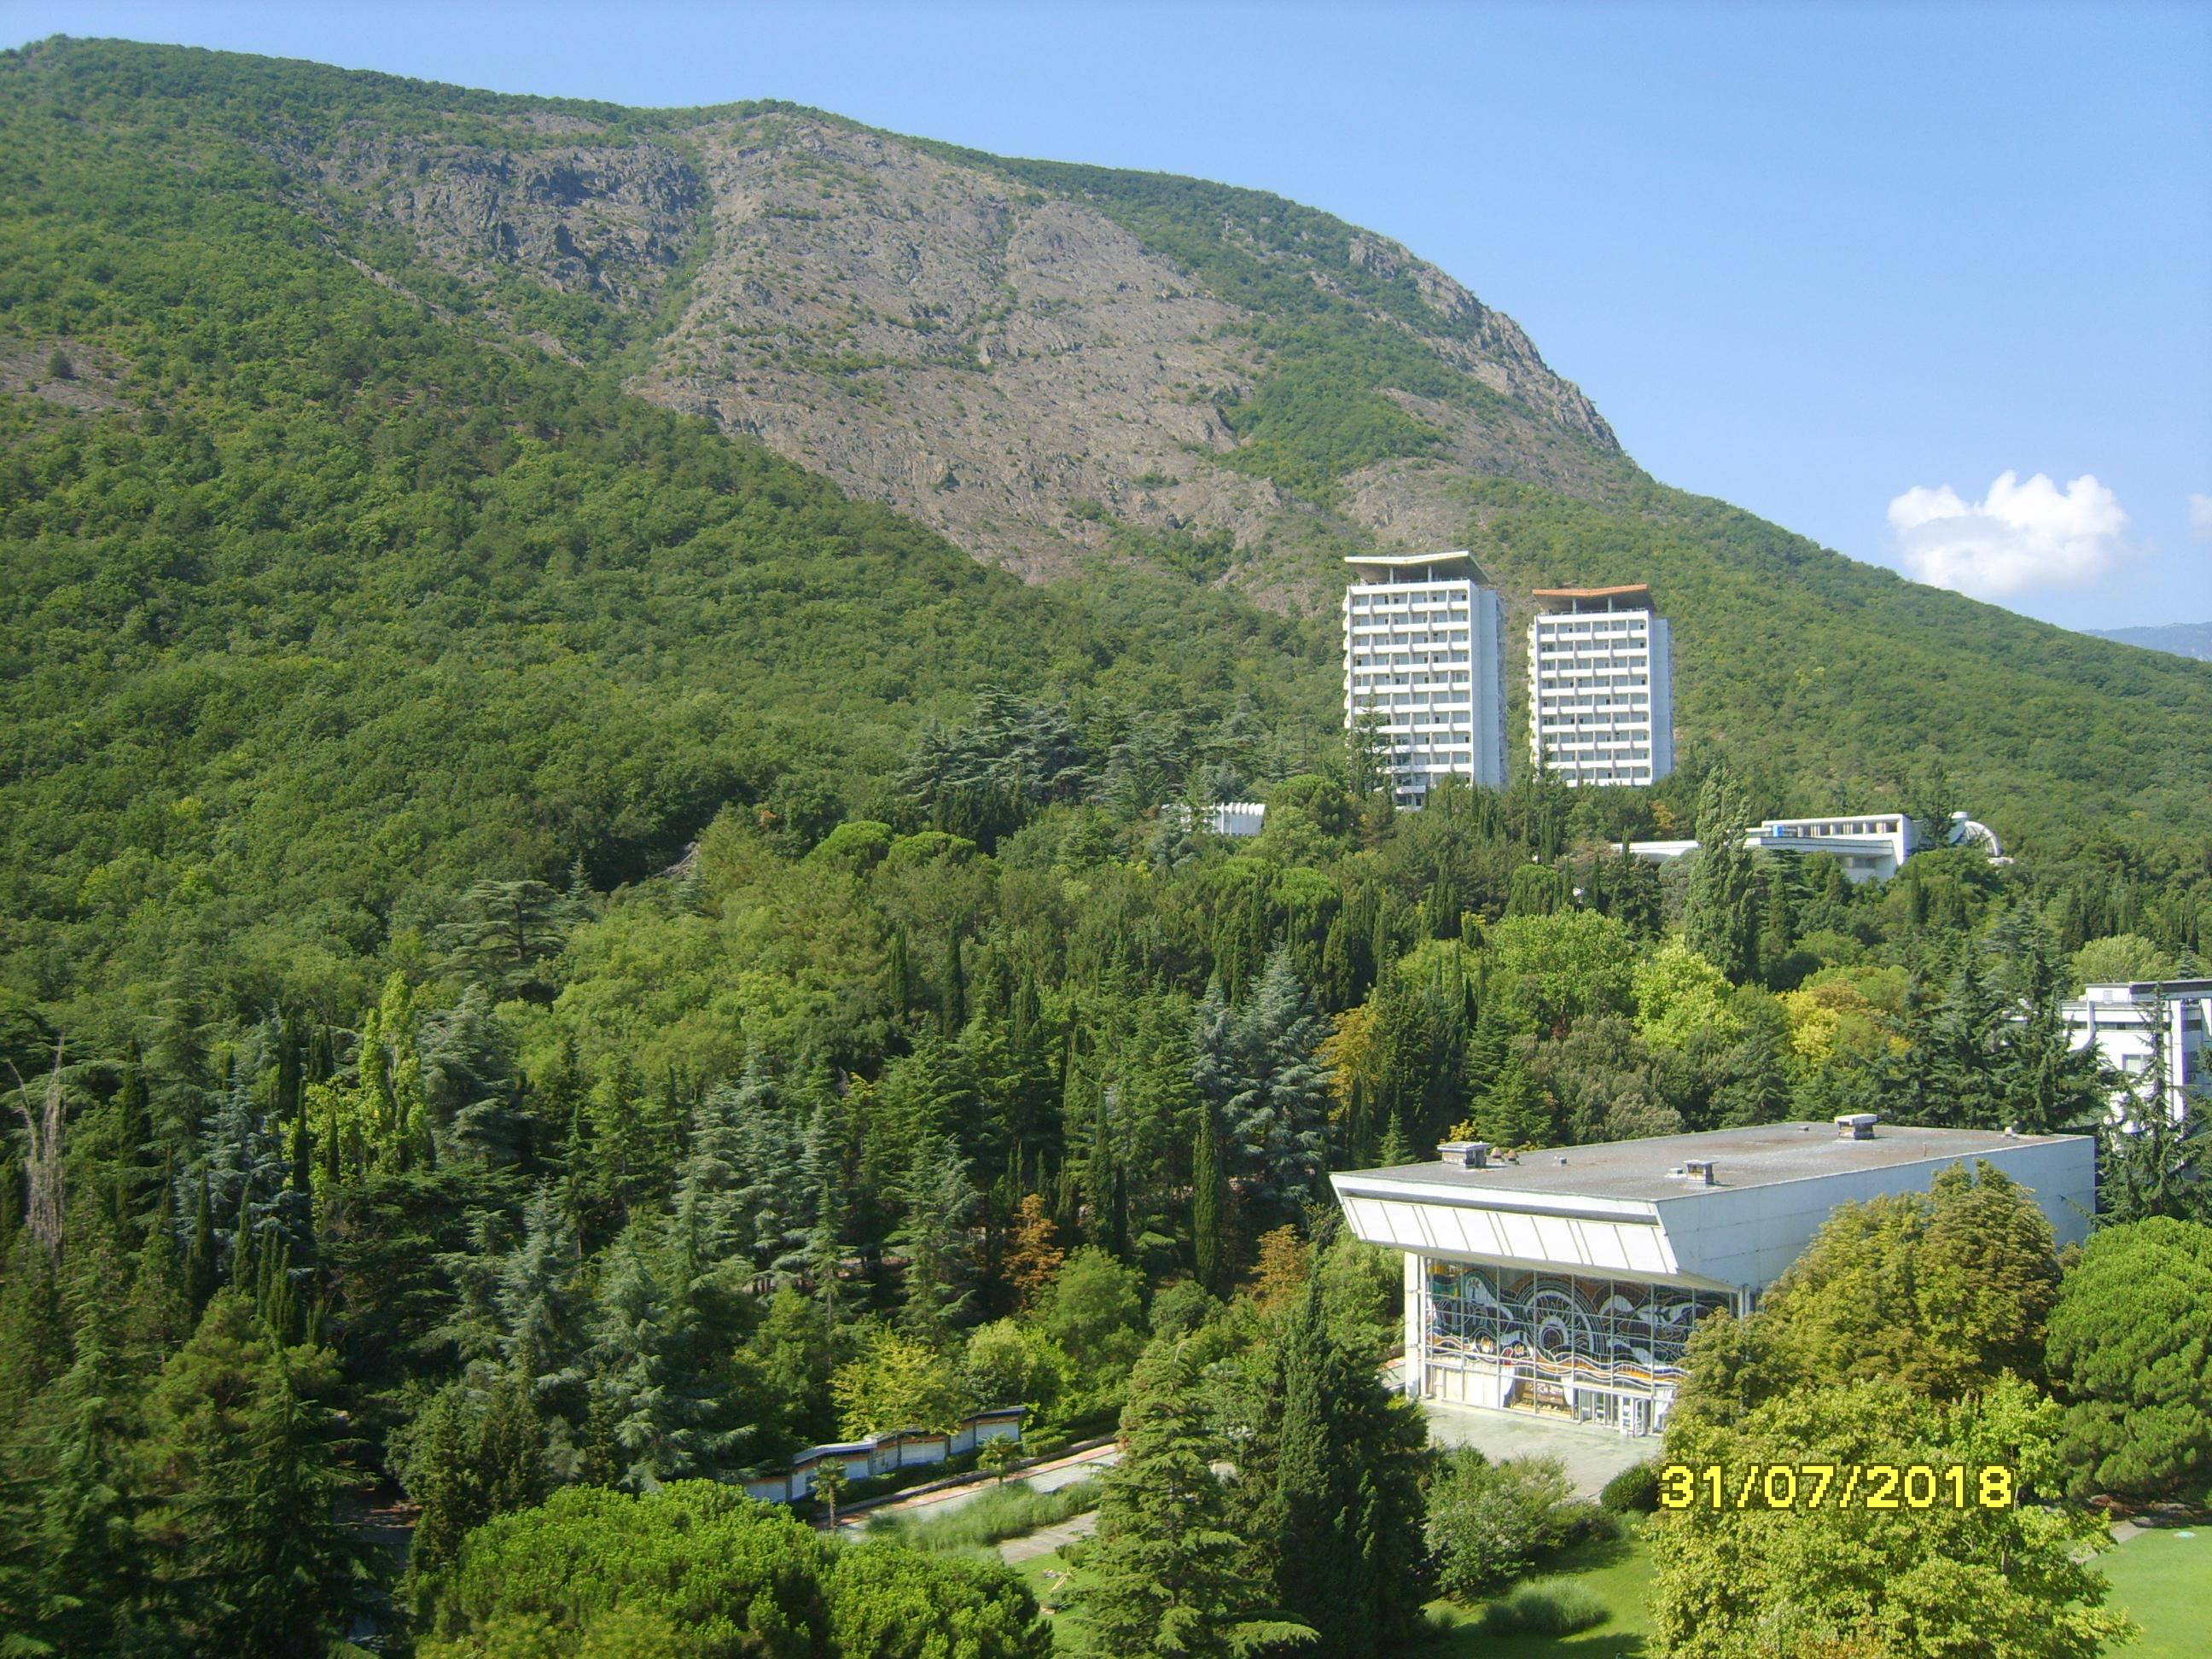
{"points": [[1424, 662], [2139, 1027], [1601, 685]]}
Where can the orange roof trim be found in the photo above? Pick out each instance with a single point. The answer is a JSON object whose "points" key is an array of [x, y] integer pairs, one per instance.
{"points": [[1588, 592]]}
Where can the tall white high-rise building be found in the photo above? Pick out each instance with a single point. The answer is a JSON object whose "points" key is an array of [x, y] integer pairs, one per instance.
{"points": [[1601, 685], [1424, 666]]}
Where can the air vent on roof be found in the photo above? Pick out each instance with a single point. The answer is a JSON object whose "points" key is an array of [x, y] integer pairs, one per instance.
{"points": [[1699, 1172], [1466, 1154], [1856, 1126]]}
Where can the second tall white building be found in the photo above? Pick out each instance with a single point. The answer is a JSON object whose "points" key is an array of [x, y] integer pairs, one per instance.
{"points": [[1601, 685], [1425, 668]]}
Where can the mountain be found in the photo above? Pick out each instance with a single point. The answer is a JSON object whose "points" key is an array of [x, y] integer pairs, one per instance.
{"points": [[403, 481], [2181, 639]]}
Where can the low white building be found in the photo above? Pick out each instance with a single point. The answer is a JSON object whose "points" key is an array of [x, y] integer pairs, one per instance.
{"points": [[1870, 846], [1565, 1283], [2130, 1024]]}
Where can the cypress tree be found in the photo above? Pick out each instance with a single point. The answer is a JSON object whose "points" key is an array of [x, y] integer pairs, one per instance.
{"points": [[1209, 1201], [1721, 920], [242, 1246], [953, 993], [200, 1254]]}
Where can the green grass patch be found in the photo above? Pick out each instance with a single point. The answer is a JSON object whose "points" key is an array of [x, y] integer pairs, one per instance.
{"points": [[1047, 1577], [1549, 1617], [1014, 1510], [2163, 1580]]}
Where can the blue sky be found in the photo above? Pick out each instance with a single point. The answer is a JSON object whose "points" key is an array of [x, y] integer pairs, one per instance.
{"points": [[1847, 265]]}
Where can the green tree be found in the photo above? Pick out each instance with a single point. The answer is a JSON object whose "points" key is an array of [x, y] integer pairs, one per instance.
{"points": [[1164, 1572], [1721, 921], [245, 1466], [933, 1236], [894, 1603], [2130, 1353], [895, 1381], [1937, 1294], [1256, 1066], [1330, 1492], [2011, 1581], [2119, 960], [731, 1577], [1093, 1311]]}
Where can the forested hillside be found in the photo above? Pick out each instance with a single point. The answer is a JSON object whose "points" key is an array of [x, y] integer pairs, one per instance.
{"points": [[1069, 370], [551, 953]]}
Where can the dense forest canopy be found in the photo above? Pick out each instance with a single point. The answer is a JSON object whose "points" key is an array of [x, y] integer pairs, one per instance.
{"points": [[551, 956]]}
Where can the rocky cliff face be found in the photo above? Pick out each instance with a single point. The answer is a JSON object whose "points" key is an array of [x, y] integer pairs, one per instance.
{"points": [[1012, 365]]}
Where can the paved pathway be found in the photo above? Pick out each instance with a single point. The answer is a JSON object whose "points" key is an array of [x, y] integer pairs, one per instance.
{"points": [[1042, 1477], [1045, 1540], [1593, 1454]]}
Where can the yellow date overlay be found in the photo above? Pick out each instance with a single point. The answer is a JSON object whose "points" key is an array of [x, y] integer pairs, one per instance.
{"points": [[1837, 1486]]}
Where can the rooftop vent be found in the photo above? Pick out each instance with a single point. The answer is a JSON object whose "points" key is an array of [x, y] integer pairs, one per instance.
{"points": [[1856, 1126], [1697, 1171], [1466, 1154]]}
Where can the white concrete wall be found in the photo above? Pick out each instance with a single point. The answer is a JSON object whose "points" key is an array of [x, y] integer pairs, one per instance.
{"points": [[1747, 1237]]}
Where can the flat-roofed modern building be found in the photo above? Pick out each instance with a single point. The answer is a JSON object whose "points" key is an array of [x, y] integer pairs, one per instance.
{"points": [[1424, 662], [1566, 1282], [2139, 1026], [1601, 685], [1870, 846]]}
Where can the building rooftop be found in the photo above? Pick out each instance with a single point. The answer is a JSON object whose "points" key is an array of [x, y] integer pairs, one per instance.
{"points": [[1763, 1156], [2146, 990], [1640, 592], [1391, 566]]}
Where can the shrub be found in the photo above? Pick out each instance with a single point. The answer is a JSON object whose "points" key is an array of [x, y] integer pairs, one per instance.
{"points": [[1490, 1523], [1545, 1606], [1634, 1491]]}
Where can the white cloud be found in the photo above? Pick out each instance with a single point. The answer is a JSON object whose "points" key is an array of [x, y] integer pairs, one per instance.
{"points": [[2200, 517], [2018, 536]]}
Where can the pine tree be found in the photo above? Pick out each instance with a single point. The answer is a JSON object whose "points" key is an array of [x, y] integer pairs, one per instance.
{"points": [[1257, 1065], [660, 1390], [952, 989], [251, 1556], [537, 1302], [134, 1186], [937, 1201], [1163, 1572], [158, 1313], [1513, 1111], [73, 1535], [772, 1194], [34, 1328], [708, 1202], [821, 1253]]}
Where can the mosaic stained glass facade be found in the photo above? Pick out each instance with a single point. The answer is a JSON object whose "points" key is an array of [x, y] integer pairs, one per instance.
{"points": [[1602, 1332]]}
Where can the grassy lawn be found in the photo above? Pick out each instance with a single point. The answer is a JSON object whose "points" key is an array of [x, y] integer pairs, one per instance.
{"points": [[1621, 1576], [1047, 1577], [2164, 1580]]}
